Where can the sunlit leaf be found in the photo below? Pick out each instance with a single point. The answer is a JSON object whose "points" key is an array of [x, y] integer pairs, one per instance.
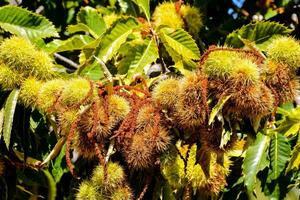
{"points": [[179, 44], [145, 55], [294, 163], [279, 154], [73, 43], [258, 32], [114, 38], [88, 21], [93, 72], [24, 23], [144, 6], [255, 160], [217, 108], [294, 129]]}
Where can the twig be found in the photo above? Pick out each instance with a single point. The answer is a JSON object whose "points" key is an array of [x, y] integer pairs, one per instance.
{"points": [[142, 194], [66, 60], [158, 44], [106, 72]]}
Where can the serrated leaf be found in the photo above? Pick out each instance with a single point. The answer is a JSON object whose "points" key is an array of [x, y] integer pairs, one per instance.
{"points": [[216, 109], [145, 55], [24, 23], [179, 44], [294, 163], [258, 33], [280, 151], [290, 124], [93, 72], [9, 111], [76, 42], [144, 6], [90, 17], [255, 160], [293, 130], [90, 21], [127, 57], [51, 185], [114, 38]]}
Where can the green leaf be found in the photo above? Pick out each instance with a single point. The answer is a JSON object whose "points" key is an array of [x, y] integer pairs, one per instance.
{"points": [[283, 111], [59, 166], [9, 111], [144, 56], [51, 185], [88, 21], [216, 109], [290, 124], [76, 42], [287, 106], [258, 32], [127, 57], [280, 151], [293, 130], [179, 44], [255, 160], [114, 38], [144, 6], [185, 66], [24, 23], [294, 163], [93, 72]]}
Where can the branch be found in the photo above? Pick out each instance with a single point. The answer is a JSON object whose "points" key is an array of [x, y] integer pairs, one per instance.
{"points": [[106, 72], [66, 60]]}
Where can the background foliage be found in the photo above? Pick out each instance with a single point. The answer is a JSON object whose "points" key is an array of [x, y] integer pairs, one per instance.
{"points": [[80, 39]]}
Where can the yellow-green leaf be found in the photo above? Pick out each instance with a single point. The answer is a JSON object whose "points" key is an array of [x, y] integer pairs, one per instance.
{"points": [[216, 109], [144, 6], [144, 56], [179, 44], [280, 150], [293, 130], [294, 164], [255, 160], [24, 23], [114, 38], [9, 111]]}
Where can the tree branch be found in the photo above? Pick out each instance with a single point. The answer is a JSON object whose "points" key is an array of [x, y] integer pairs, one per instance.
{"points": [[66, 60]]}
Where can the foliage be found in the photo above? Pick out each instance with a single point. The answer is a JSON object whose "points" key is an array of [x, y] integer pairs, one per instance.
{"points": [[20, 22], [127, 100]]}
